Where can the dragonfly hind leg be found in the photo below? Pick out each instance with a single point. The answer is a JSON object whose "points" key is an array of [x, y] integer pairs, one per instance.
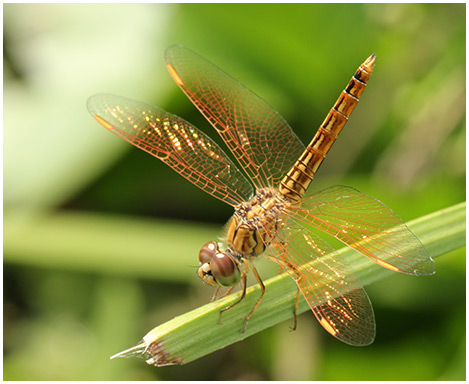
{"points": [[295, 316], [259, 280], [289, 268]]}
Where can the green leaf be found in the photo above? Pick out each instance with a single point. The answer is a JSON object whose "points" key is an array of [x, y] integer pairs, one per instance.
{"points": [[199, 332]]}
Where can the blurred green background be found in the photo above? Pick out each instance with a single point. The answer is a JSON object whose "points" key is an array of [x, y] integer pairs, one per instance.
{"points": [[101, 240]]}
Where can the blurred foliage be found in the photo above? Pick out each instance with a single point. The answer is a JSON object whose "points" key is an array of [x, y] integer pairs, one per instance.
{"points": [[71, 187]]}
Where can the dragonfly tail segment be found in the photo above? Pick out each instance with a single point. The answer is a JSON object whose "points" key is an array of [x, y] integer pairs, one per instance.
{"points": [[296, 182]]}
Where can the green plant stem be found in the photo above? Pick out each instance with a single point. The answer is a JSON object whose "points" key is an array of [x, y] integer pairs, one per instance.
{"points": [[199, 332]]}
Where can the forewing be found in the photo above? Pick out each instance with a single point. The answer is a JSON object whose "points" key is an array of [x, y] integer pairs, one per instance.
{"points": [[366, 225], [259, 138], [176, 142], [328, 284]]}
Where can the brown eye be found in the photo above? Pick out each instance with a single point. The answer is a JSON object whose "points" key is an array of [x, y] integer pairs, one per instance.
{"points": [[224, 270], [207, 252]]}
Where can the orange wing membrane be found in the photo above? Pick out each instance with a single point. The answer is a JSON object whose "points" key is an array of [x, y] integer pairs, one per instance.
{"points": [[176, 142], [366, 225], [328, 284], [259, 138]]}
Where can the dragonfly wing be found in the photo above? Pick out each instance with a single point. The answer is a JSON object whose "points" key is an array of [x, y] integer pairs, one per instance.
{"points": [[366, 225], [259, 138], [328, 284], [176, 142]]}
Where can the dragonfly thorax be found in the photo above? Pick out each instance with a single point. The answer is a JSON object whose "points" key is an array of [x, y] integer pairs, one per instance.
{"points": [[248, 229]]}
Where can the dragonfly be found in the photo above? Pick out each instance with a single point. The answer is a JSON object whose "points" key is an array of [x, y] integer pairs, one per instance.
{"points": [[273, 216]]}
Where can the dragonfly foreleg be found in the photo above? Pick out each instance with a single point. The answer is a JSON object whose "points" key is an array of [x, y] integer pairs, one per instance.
{"points": [[243, 295], [215, 295]]}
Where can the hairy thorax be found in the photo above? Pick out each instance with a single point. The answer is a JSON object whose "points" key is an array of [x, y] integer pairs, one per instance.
{"points": [[254, 223]]}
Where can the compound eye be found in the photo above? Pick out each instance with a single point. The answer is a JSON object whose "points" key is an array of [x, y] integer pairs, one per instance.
{"points": [[224, 270], [207, 252]]}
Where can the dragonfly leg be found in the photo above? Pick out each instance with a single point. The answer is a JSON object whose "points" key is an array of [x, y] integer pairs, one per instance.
{"points": [[295, 321], [293, 271], [228, 291], [243, 294], [254, 270], [214, 297]]}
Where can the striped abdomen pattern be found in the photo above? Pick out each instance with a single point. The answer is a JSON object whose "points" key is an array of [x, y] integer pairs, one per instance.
{"points": [[297, 180]]}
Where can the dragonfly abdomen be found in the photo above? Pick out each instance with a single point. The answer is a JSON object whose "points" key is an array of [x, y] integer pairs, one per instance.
{"points": [[297, 180]]}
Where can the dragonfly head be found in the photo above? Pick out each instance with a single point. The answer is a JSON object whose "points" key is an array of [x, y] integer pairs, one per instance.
{"points": [[217, 267]]}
